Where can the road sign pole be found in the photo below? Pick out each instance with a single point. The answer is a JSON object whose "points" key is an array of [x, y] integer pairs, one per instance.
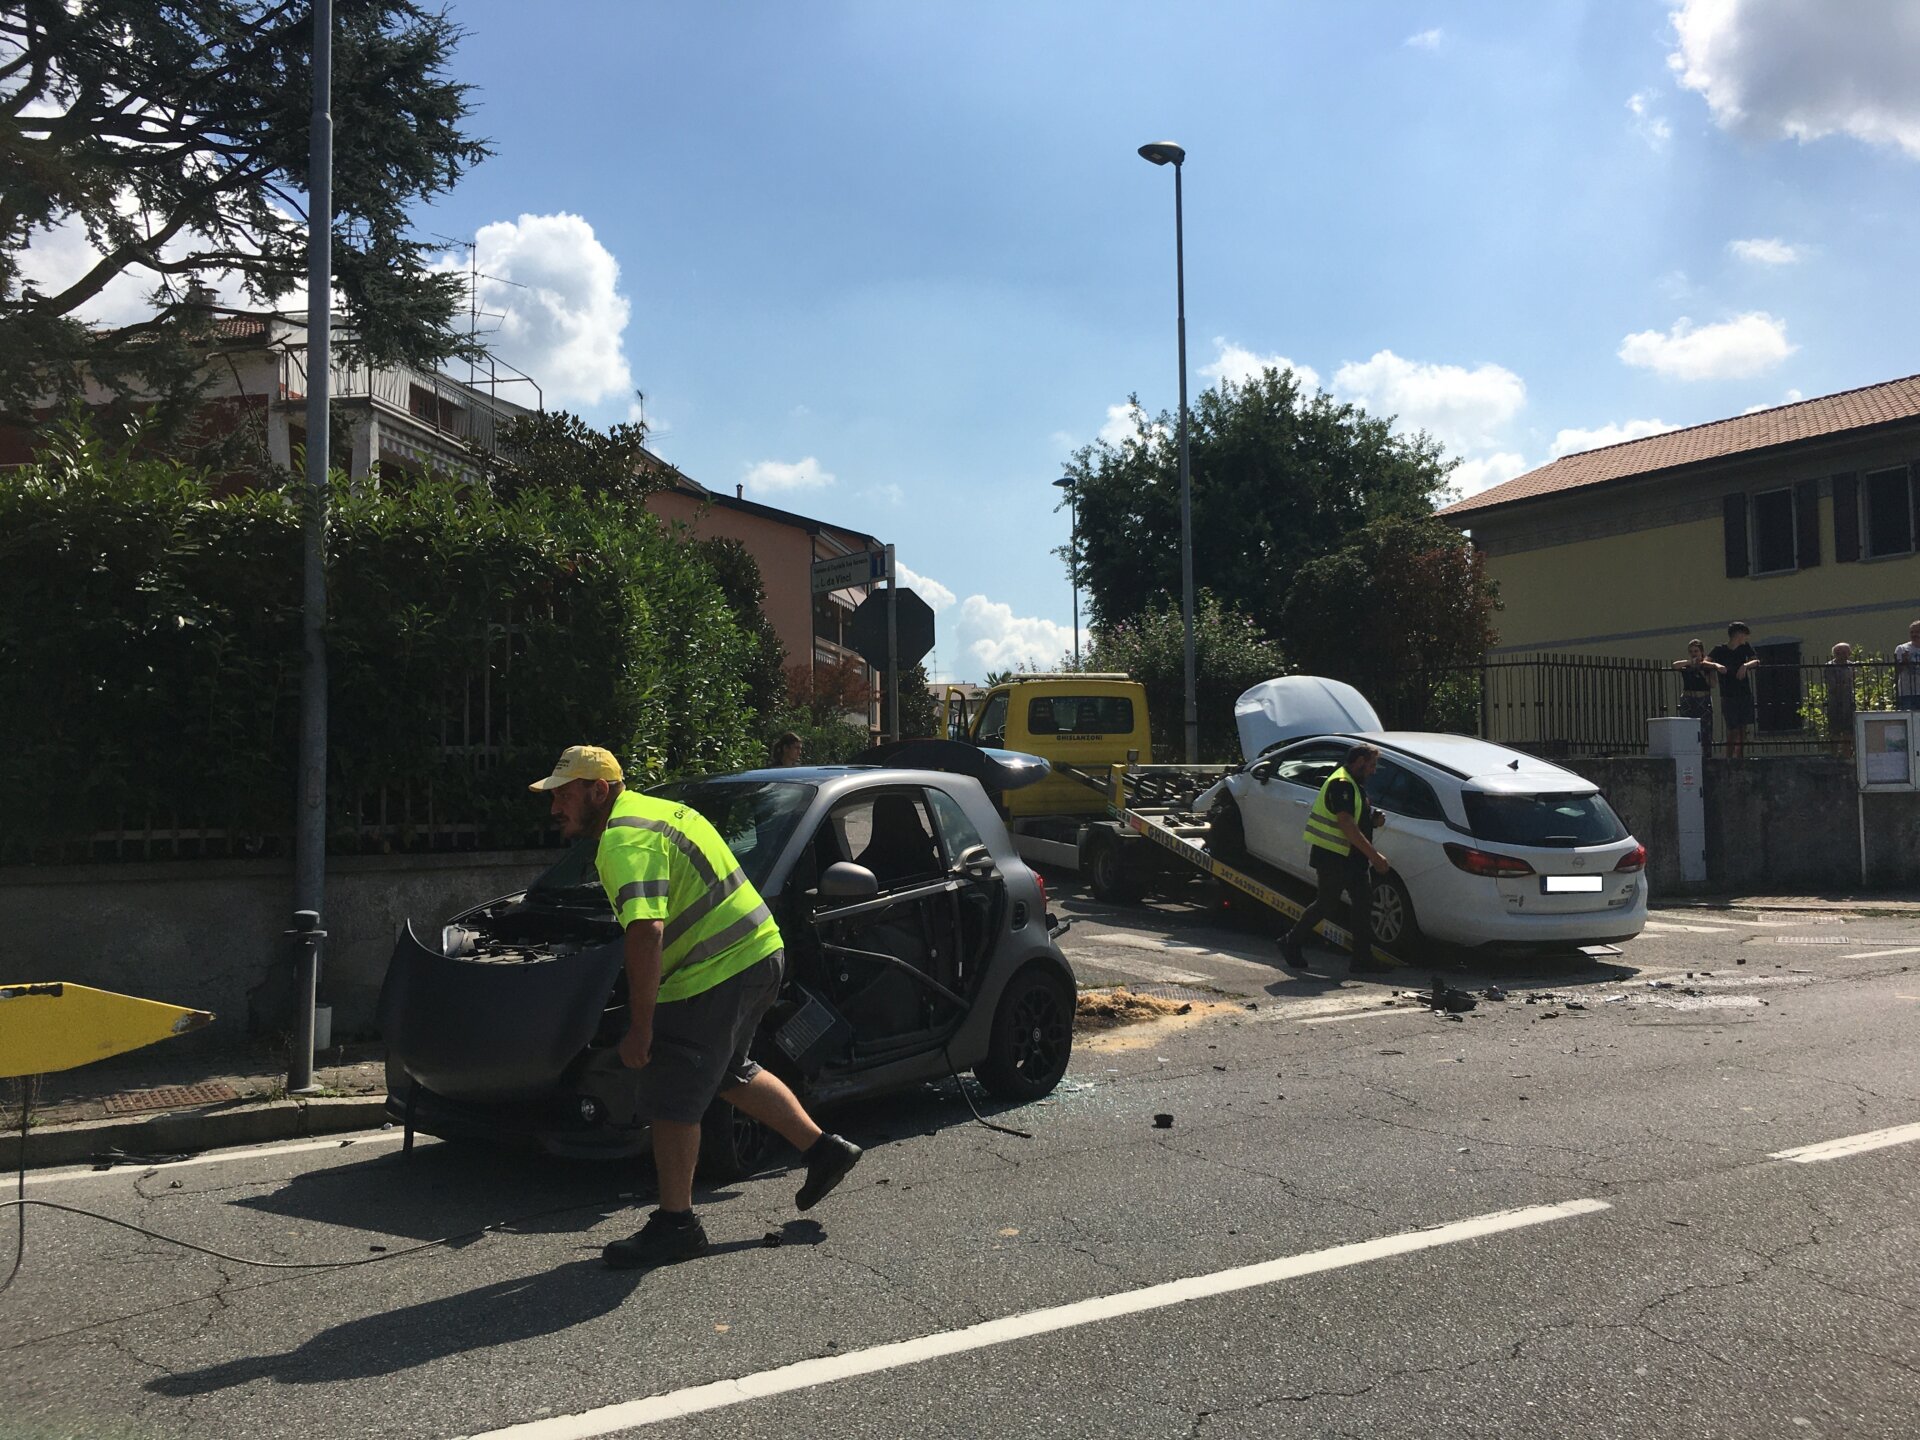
{"points": [[893, 653]]}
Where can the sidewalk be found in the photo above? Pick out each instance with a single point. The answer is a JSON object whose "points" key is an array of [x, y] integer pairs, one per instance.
{"points": [[164, 1101]]}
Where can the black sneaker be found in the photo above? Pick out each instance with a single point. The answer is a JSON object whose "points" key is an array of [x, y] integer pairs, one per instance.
{"points": [[661, 1242], [1292, 956], [828, 1162]]}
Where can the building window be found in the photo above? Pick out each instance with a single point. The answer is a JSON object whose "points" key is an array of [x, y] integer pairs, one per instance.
{"points": [[1773, 532], [435, 409], [1889, 521]]}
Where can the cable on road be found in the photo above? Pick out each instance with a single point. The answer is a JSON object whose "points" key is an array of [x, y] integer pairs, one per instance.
{"points": [[967, 1095]]}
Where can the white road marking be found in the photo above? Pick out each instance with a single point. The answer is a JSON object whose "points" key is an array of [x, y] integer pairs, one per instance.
{"points": [[1672, 927], [219, 1157], [1849, 1145], [807, 1374], [1181, 951], [1883, 954], [1363, 1015]]}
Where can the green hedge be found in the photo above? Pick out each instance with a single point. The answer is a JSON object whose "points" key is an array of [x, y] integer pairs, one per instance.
{"points": [[150, 655]]}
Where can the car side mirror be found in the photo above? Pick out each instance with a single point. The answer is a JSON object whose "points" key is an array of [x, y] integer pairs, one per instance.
{"points": [[846, 881], [976, 863]]}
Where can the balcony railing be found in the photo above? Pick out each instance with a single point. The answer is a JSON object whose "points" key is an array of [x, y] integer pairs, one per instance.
{"points": [[459, 411]]}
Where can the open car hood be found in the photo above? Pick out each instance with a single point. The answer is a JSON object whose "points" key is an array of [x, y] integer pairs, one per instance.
{"points": [[1297, 705], [996, 770]]}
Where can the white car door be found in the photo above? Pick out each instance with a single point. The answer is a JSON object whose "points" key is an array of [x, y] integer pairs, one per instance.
{"points": [[1415, 834], [1281, 797]]}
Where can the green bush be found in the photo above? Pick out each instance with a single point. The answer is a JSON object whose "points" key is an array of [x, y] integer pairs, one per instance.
{"points": [[150, 654]]}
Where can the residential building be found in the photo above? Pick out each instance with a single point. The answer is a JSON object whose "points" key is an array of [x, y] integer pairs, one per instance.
{"points": [[393, 416], [1799, 520], [811, 628]]}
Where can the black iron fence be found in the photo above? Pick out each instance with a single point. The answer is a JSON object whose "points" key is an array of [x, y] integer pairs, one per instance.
{"points": [[1555, 704]]}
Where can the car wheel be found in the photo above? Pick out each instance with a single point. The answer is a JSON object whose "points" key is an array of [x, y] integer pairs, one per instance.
{"points": [[1032, 1037], [1107, 872], [1226, 832], [732, 1144], [1394, 927]]}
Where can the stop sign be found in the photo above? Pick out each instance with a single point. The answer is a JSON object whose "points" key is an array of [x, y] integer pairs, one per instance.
{"points": [[913, 626]]}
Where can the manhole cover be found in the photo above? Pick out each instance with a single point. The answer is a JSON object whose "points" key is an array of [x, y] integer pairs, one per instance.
{"points": [[170, 1097], [1175, 992]]}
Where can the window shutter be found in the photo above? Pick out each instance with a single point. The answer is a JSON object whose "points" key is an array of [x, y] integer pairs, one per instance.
{"points": [[1846, 518], [1806, 523], [1736, 516]]}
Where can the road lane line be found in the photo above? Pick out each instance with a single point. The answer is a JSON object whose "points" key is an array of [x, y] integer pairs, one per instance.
{"points": [[1362, 1015], [1147, 973], [1883, 954], [351, 1140], [1849, 1145], [807, 1374]]}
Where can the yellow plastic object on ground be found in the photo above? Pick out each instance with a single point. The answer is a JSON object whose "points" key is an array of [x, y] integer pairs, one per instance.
{"points": [[58, 1026]]}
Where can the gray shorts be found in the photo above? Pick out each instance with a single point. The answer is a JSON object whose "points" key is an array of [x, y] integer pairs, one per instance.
{"points": [[700, 1043]]}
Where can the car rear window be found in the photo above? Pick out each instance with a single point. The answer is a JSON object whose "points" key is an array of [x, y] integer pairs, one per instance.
{"points": [[1561, 820]]}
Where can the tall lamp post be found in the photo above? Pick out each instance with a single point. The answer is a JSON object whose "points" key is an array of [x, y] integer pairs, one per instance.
{"points": [[1073, 555], [1165, 152]]}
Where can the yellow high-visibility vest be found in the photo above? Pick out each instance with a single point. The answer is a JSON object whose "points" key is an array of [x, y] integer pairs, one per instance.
{"points": [[1322, 828]]}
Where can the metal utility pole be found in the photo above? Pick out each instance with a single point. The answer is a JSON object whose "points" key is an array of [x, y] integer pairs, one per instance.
{"points": [[1068, 484], [310, 822], [1165, 152], [893, 653]]}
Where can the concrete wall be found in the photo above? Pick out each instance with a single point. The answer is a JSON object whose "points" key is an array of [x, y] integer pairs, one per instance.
{"points": [[208, 933], [1780, 825]]}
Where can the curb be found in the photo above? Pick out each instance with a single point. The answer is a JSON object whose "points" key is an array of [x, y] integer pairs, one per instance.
{"points": [[189, 1132]]}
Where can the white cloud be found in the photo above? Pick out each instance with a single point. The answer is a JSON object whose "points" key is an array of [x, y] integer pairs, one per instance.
{"points": [[886, 493], [1463, 409], [1238, 364], [563, 316], [1569, 442], [1650, 127], [1124, 423], [937, 596], [1773, 69], [991, 637], [1735, 349], [1470, 477], [1763, 252], [1425, 40], [778, 477]]}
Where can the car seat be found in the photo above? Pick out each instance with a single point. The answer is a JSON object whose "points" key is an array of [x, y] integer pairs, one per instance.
{"points": [[899, 848]]}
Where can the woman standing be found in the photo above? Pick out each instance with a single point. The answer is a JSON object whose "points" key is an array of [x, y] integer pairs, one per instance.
{"points": [[1696, 690]]}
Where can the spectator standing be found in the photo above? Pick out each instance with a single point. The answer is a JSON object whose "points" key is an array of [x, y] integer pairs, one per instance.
{"points": [[1841, 701], [1737, 660], [786, 750], [1696, 689], [1906, 670]]}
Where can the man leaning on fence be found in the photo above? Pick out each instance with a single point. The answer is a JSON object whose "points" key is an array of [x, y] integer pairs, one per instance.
{"points": [[1339, 844]]}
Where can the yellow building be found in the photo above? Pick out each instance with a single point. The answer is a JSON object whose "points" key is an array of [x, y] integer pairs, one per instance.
{"points": [[1799, 520]]}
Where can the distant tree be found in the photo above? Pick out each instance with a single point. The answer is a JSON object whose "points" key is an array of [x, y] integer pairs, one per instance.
{"points": [[176, 134], [1278, 476], [738, 574], [1230, 652], [920, 711], [1395, 611], [557, 450], [843, 690]]}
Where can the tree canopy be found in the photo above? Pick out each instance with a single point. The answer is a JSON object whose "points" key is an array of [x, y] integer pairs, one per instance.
{"points": [[1279, 477], [175, 132]]}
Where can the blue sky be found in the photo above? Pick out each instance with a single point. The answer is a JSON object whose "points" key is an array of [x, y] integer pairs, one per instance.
{"points": [[889, 264]]}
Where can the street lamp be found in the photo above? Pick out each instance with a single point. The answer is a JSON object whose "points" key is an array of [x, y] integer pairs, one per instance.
{"points": [[1073, 555], [1165, 152]]}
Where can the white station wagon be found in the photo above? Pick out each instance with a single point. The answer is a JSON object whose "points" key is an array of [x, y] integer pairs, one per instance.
{"points": [[1488, 846]]}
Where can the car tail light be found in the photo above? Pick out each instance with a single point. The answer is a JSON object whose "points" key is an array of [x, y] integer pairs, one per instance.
{"points": [[1634, 859], [1041, 881], [1486, 862]]}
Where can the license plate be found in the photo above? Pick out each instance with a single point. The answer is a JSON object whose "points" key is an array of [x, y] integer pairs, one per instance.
{"points": [[1572, 884]]}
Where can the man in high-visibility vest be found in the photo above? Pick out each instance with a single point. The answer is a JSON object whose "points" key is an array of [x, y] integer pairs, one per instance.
{"points": [[704, 961], [1340, 846]]}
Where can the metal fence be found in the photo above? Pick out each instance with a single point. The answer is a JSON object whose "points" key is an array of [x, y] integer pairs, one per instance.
{"points": [[1555, 704]]}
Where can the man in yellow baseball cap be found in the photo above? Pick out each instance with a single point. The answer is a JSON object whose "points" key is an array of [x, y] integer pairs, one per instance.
{"points": [[704, 960]]}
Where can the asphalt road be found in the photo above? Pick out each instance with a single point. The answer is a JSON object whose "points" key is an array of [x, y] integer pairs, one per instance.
{"points": [[1363, 1219]]}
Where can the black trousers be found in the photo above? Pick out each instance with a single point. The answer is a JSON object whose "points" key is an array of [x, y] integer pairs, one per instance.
{"points": [[1337, 873]]}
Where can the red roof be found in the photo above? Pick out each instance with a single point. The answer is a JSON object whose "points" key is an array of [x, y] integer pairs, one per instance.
{"points": [[1764, 429]]}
